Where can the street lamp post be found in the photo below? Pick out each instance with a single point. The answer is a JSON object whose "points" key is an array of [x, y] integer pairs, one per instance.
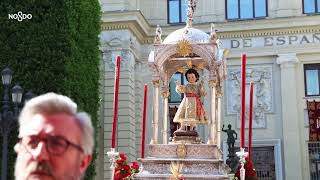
{"points": [[8, 118]]}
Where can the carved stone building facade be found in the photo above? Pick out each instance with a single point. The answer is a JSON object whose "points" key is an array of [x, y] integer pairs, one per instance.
{"points": [[278, 46]]}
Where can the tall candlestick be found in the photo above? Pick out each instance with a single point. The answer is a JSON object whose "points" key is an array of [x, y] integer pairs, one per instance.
{"points": [[250, 120], [243, 97], [115, 101], [144, 119]]}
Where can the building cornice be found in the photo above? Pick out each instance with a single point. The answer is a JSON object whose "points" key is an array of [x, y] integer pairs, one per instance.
{"points": [[139, 26], [132, 20]]}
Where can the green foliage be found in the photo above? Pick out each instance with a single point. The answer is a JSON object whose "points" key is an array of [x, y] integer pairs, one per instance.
{"points": [[55, 51]]}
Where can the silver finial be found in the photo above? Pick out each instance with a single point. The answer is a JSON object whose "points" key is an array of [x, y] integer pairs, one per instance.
{"points": [[191, 7], [213, 34], [157, 38]]}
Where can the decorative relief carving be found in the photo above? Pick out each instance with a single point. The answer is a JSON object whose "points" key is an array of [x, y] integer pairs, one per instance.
{"points": [[188, 168], [263, 94], [127, 59], [107, 58], [192, 151], [115, 42], [184, 48], [181, 151]]}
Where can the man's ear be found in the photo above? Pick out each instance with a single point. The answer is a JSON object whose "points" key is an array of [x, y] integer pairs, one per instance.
{"points": [[85, 163]]}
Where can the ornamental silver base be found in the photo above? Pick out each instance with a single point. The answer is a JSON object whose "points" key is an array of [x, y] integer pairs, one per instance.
{"points": [[199, 161], [186, 140]]}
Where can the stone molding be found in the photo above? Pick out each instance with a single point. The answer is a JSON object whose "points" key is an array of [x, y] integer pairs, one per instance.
{"points": [[287, 60], [285, 31], [119, 41], [127, 59], [139, 26]]}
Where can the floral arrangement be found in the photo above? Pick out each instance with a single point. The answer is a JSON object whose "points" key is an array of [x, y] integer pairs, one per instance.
{"points": [[122, 170], [251, 173]]}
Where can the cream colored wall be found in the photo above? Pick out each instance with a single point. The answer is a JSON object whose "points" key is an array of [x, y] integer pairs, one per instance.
{"points": [[154, 11], [118, 5]]}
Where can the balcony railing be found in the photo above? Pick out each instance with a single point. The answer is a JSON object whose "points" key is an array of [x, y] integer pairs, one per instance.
{"points": [[314, 160]]}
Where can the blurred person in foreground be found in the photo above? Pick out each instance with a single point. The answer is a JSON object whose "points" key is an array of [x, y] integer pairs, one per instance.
{"points": [[55, 140]]}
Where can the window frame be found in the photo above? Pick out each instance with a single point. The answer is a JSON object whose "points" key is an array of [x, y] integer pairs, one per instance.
{"points": [[316, 10], [306, 67], [239, 11], [180, 13]]}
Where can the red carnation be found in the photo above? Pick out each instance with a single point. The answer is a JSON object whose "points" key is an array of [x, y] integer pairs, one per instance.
{"points": [[123, 156], [250, 172], [118, 168], [126, 167], [121, 162], [123, 170], [248, 165], [134, 166], [118, 176]]}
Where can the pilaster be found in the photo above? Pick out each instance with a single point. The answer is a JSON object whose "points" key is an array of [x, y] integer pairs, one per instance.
{"points": [[290, 121], [288, 8]]}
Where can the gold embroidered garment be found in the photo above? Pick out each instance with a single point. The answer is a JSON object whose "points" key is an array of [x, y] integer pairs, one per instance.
{"points": [[191, 110]]}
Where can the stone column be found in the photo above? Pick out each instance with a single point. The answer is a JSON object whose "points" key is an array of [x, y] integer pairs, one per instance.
{"points": [[165, 95], [290, 121], [155, 120], [212, 124], [219, 97]]}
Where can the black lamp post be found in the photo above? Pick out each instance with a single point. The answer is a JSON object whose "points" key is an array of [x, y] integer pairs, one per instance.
{"points": [[8, 118]]}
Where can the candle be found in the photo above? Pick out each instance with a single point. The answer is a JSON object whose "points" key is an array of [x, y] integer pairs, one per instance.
{"points": [[243, 96], [250, 120], [115, 101], [144, 120]]}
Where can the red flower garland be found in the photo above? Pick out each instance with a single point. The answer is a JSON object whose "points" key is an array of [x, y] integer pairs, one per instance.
{"points": [[123, 170]]}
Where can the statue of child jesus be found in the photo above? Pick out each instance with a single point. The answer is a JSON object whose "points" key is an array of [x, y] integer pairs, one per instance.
{"points": [[191, 110]]}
